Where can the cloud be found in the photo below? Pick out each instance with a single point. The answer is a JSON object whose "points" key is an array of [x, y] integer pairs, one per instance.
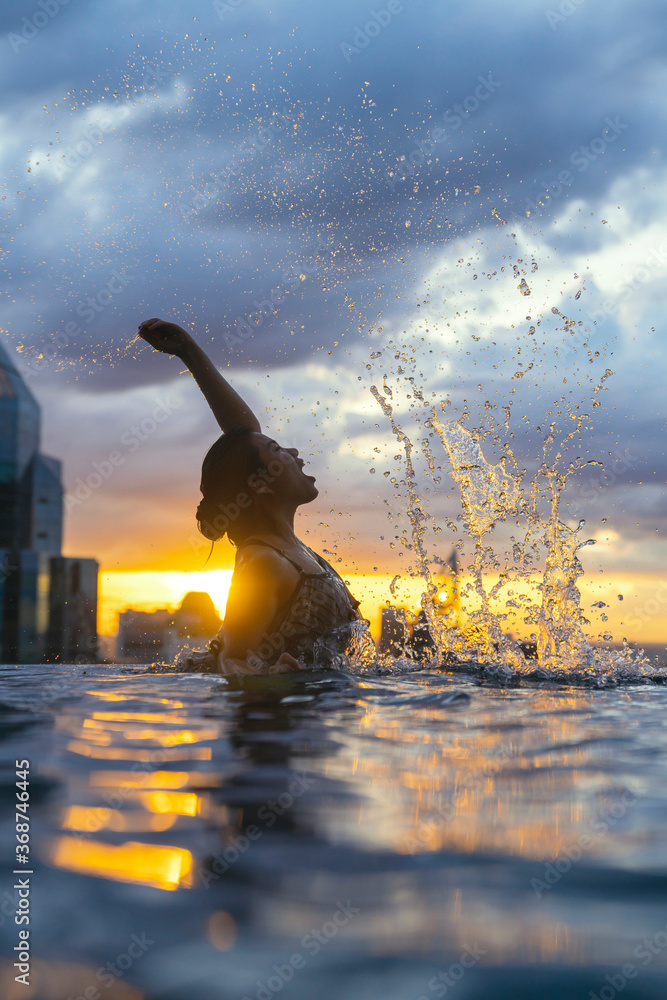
{"points": [[213, 215]]}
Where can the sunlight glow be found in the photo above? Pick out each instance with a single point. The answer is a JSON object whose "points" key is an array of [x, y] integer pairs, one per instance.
{"points": [[150, 591]]}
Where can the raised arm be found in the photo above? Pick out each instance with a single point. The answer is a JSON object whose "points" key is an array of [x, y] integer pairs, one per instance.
{"points": [[227, 406]]}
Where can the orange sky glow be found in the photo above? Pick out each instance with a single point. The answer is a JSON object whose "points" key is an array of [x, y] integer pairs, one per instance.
{"points": [[641, 615]]}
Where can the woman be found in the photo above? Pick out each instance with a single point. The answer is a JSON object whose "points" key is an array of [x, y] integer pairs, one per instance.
{"points": [[283, 597]]}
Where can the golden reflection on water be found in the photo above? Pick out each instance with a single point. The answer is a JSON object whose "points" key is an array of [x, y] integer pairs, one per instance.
{"points": [[148, 864], [130, 753], [527, 790], [146, 798], [467, 783], [120, 697], [178, 803], [505, 777], [156, 717], [146, 735], [92, 820], [153, 779]]}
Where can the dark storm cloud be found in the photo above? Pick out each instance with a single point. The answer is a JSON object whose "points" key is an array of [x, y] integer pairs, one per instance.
{"points": [[355, 113], [259, 170]]}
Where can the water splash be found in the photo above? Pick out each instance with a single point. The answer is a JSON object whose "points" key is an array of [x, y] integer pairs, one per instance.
{"points": [[416, 516], [561, 643], [487, 492], [492, 495]]}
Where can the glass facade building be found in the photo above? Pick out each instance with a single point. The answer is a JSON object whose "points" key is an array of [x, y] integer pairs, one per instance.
{"points": [[19, 444], [48, 603], [25, 606], [46, 513]]}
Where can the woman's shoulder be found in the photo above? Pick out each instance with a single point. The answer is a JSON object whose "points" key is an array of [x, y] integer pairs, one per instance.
{"points": [[257, 560], [259, 552]]}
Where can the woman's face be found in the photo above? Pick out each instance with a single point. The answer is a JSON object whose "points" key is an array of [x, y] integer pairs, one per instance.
{"points": [[283, 471]]}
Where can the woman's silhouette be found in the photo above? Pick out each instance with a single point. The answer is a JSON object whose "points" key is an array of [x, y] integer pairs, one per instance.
{"points": [[283, 596]]}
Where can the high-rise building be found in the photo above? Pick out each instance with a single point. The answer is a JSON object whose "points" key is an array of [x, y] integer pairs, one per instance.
{"points": [[48, 604], [72, 629], [19, 445]]}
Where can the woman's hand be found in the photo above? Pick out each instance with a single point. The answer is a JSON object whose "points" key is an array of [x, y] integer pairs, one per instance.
{"points": [[166, 337], [285, 665], [227, 406]]}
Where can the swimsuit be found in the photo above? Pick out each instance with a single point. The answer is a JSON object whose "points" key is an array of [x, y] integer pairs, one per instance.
{"points": [[319, 620], [320, 605]]}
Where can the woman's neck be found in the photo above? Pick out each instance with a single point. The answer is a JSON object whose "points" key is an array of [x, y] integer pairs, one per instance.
{"points": [[278, 529]]}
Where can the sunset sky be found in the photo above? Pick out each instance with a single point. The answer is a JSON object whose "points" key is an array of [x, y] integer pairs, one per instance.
{"points": [[389, 227]]}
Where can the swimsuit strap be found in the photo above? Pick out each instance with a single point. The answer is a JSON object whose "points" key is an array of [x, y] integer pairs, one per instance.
{"points": [[260, 541], [332, 573]]}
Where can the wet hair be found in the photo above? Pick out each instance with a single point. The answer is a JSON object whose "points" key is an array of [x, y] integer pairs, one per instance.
{"points": [[228, 466]]}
